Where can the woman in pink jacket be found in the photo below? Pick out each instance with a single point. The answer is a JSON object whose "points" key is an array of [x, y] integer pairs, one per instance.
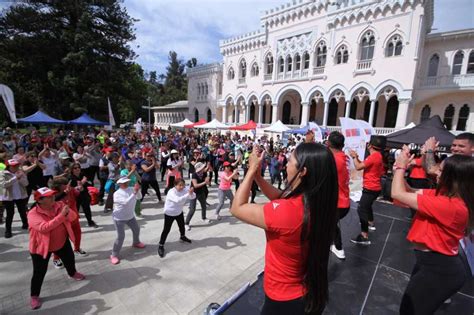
{"points": [[50, 230]]}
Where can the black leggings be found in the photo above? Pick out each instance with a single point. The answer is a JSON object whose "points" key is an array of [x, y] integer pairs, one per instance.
{"points": [[342, 212], [435, 278], [291, 307], [10, 208], [84, 201], [40, 266], [366, 213], [167, 227], [153, 184]]}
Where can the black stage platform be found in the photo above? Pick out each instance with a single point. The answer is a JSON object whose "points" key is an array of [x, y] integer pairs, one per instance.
{"points": [[372, 279]]}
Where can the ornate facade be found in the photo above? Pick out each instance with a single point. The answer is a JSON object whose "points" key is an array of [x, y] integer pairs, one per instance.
{"points": [[317, 60]]}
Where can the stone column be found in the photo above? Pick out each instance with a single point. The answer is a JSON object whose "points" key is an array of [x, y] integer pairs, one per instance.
{"points": [[236, 110], [403, 107], [224, 114], [372, 112], [274, 113], [326, 112], [348, 109], [260, 112], [304, 113], [155, 115]]}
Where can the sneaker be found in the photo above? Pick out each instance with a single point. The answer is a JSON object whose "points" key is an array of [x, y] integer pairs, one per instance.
{"points": [[139, 245], [184, 239], [372, 227], [58, 264], [81, 253], [447, 301], [206, 221], [188, 227], [360, 240], [161, 251], [114, 260], [78, 276], [107, 210], [35, 302], [8, 234], [339, 253], [93, 224], [218, 217]]}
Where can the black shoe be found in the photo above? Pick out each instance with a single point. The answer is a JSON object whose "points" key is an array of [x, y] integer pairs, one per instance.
{"points": [[184, 239], [360, 240], [107, 210], [24, 227], [8, 234], [161, 251], [93, 224], [101, 203]]}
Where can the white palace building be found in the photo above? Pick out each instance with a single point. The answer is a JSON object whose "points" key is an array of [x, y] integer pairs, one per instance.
{"points": [[317, 60]]}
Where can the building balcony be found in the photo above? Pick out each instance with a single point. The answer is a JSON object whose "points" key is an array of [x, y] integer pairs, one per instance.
{"points": [[318, 70], [363, 67], [304, 73], [449, 81], [267, 77], [241, 80]]}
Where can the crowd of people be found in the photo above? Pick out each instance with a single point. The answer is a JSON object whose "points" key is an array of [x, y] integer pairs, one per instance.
{"points": [[307, 188]]}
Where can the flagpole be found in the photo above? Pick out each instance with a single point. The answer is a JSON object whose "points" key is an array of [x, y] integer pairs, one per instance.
{"points": [[149, 115]]}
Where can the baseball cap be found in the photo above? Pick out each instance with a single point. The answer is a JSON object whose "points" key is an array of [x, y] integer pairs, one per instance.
{"points": [[199, 166], [174, 151], [13, 162], [226, 163], [44, 192]]}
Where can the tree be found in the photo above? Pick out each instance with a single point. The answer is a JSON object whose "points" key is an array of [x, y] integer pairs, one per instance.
{"points": [[68, 56]]}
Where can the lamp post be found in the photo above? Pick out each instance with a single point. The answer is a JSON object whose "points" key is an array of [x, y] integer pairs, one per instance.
{"points": [[149, 113]]}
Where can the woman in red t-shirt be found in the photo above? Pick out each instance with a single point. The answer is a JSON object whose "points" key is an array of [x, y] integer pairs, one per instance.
{"points": [[299, 224], [443, 217]]}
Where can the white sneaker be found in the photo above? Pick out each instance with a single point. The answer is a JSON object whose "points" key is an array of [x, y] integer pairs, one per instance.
{"points": [[372, 227], [448, 301], [218, 217], [188, 227], [339, 253]]}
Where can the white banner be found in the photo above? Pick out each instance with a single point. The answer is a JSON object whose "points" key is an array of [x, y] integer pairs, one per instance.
{"points": [[318, 135], [138, 125], [111, 115], [9, 100], [367, 128], [354, 137]]}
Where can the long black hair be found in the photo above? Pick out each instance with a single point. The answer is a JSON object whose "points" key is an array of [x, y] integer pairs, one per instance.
{"points": [[319, 189], [456, 180]]}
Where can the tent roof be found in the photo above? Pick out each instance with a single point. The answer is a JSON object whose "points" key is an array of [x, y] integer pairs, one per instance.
{"points": [[201, 121], [248, 126], [41, 118], [432, 127], [183, 123], [85, 119], [304, 129], [277, 127], [213, 124]]}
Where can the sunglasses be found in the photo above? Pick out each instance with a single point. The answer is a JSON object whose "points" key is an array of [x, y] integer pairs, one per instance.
{"points": [[76, 168]]}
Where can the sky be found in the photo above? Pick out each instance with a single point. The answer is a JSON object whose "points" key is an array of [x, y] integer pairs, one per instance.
{"points": [[193, 28]]}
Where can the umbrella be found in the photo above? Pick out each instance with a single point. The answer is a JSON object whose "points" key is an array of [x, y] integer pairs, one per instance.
{"points": [[277, 127], [41, 118], [85, 119], [214, 124]]}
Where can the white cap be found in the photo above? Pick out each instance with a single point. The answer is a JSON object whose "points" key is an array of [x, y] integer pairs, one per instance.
{"points": [[123, 180], [174, 151]]}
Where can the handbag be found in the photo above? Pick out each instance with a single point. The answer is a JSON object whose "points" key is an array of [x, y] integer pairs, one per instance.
{"points": [[108, 185]]}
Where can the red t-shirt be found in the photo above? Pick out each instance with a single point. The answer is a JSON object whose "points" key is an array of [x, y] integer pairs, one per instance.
{"points": [[284, 255], [439, 223], [417, 170], [343, 179], [373, 171]]}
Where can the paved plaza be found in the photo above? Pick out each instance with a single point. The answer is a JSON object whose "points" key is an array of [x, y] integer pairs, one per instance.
{"points": [[223, 256]]}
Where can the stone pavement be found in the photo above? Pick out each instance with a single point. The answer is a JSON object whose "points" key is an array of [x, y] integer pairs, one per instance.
{"points": [[224, 254]]}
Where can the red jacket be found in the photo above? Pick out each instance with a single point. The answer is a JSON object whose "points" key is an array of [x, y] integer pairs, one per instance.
{"points": [[41, 222]]}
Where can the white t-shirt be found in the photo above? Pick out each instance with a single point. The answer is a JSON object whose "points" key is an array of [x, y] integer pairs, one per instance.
{"points": [[175, 201], [50, 164], [76, 156]]}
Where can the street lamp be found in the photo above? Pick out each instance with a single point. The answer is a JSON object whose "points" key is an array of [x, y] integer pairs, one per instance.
{"points": [[149, 113]]}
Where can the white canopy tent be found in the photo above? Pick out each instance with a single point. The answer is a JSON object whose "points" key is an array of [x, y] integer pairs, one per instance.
{"points": [[181, 124], [7, 96], [276, 127], [214, 124]]}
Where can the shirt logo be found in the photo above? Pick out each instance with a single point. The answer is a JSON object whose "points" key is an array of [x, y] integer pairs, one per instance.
{"points": [[275, 205]]}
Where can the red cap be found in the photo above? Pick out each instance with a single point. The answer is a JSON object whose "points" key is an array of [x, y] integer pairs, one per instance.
{"points": [[226, 163], [108, 149], [13, 162], [44, 192]]}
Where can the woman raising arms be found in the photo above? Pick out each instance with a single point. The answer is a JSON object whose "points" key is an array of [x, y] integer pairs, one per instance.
{"points": [[299, 224]]}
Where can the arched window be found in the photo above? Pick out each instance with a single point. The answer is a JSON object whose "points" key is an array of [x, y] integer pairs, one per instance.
{"points": [[243, 68], [252, 111], [297, 62], [206, 89], [199, 89], [470, 63], [367, 112], [231, 74], [269, 64], [305, 60], [391, 112], [457, 62], [254, 72], [289, 63], [367, 46], [196, 115], [433, 66], [342, 55], [448, 116], [321, 53], [286, 113], [353, 111], [425, 113], [463, 116], [281, 65], [209, 115], [394, 46]]}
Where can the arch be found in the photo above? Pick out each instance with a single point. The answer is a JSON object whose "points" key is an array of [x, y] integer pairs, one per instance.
{"points": [[353, 110], [463, 117], [342, 55], [470, 63], [367, 45], [254, 69], [314, 90], [361, 85], [209, 114], [230, 73], [425, 113], [448, 117], [457, 63], [263, 96], [394, 45], [287, 88], [242, 68], [252, 112], [364, 31], [391, 113], [289, 63], [336, 87], [239, 97], [229, 99], [268, 63], [332, 112], [396, 31], [379, 89], [196, 115], [286, 113], [341, 43], [321, 54], [316, 43], [433, 65], [250, 96]]}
